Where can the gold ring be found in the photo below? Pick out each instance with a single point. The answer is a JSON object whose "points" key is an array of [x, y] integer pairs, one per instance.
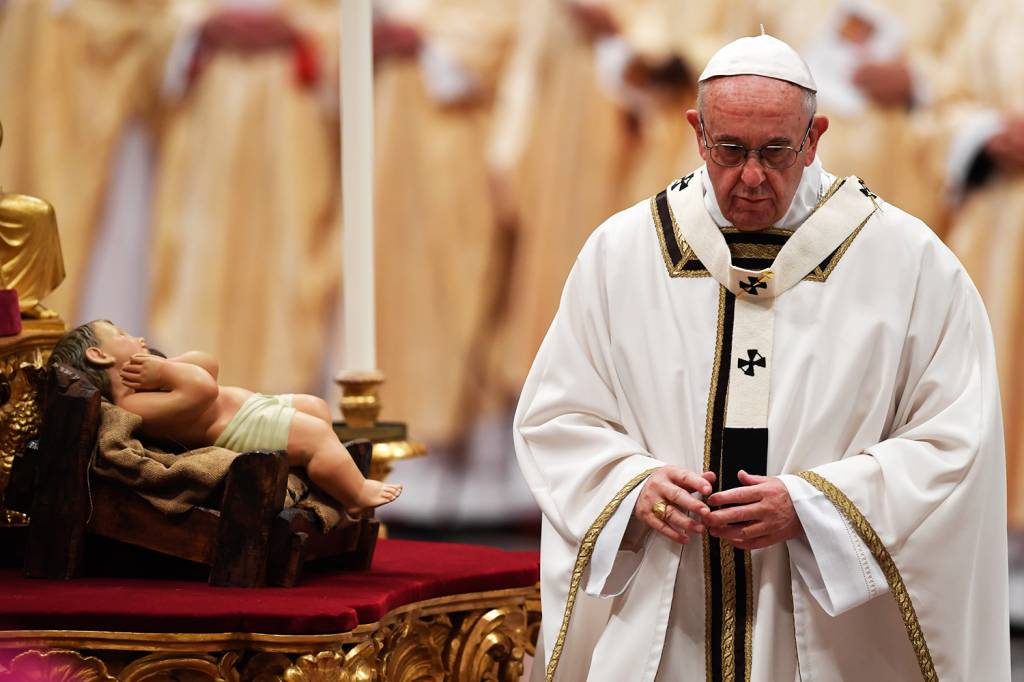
{"points": [[659, 509]]}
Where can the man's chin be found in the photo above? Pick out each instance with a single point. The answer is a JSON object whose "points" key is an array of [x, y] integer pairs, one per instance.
{"points": [[750, 216], [746, 221]]}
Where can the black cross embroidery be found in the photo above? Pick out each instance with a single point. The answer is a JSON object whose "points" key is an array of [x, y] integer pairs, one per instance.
{"points": [[681, 183], [752, 285], [865, 191], [753, 359]]}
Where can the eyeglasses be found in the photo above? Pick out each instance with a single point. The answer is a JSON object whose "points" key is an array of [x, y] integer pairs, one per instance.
{"points": [[777, 157]]}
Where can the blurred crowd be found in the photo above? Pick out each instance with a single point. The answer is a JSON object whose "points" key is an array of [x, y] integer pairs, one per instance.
{"points": [[191, 151]]}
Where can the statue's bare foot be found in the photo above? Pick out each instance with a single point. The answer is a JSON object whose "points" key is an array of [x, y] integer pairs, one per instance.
{"points": [[375, 494], [38, 312]]}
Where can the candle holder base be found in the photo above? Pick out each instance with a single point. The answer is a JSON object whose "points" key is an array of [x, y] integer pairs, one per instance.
{"points": [[390, 445], [360, 406]]}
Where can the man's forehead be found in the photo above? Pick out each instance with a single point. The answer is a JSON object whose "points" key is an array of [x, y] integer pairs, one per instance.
{"points": [[747, 108], [769, 91]]}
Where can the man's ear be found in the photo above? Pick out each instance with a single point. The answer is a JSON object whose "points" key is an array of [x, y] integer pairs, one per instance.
{"points": [[96, 356], [693, 118], [818, 127]]}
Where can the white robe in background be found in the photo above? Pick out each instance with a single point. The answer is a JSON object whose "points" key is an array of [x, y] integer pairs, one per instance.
{"points": [[883, 395]]}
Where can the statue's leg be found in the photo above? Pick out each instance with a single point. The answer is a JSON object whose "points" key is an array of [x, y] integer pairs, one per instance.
{"points": [[313, 444]]}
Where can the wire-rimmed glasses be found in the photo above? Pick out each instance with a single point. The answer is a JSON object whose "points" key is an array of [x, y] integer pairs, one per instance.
{"points": [[774, 156]]}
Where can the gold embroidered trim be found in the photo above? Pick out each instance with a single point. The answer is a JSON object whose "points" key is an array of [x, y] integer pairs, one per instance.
{"points": [[709, 420], [748, 639], [892, 574], [684, 248], [582, 560], [744, 250], [828, 194], [820, 275], [726, 552], [777, 231]]}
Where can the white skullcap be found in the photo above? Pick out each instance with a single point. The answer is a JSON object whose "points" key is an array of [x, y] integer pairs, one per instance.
{"points": [[760, 55]]}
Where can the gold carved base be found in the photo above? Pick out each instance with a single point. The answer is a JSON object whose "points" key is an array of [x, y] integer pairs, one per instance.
{"points": [[464, 638], [22, 374]]}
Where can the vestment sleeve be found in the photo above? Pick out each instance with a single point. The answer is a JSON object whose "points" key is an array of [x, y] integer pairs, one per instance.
{"points": [[830, 557], [573, 449], [618, 551], [929, 498]]}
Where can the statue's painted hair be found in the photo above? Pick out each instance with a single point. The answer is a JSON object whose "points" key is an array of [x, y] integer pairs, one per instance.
{"points": [[70, 350]]}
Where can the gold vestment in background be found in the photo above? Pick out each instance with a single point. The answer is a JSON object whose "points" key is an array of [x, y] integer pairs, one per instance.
{"points": [[30, 256]]}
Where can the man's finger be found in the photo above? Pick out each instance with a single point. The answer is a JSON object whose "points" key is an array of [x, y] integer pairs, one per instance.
{"points": [[742, 495], [686, 502], [746, 532], [740, 514], [760, 542], [680, 521], [689, 480], [666, 530], [751, 479]]}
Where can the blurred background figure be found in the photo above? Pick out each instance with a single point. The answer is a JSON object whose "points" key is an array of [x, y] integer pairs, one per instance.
{"points": [[76, 78], [245, 222]]}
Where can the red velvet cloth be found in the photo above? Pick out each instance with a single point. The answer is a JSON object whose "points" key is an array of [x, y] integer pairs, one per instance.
{"points": [[403, 572], [10, 313]]}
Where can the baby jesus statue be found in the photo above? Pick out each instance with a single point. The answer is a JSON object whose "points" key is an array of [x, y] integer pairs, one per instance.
{"points": [[180, 400]]}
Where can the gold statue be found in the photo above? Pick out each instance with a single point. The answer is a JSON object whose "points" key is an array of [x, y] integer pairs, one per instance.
{"points": [[30, 258]]}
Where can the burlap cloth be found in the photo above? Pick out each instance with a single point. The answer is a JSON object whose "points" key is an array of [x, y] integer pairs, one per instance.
{"points": [[176, 482]]}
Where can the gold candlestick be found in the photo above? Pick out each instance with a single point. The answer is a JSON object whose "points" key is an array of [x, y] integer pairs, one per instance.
{"points": [[360, 405]]}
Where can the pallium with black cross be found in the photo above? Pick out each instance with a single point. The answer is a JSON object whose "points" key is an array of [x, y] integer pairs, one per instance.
{"points": [[728, 571]]}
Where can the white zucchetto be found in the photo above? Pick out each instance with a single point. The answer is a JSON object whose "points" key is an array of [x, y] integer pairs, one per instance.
{"points": [[760, 55]]}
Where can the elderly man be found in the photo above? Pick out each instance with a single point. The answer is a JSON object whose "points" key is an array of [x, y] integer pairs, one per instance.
{"points": [[764, 426]]}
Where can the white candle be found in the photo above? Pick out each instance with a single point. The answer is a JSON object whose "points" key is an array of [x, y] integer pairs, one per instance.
{"points": [[357, 184]]}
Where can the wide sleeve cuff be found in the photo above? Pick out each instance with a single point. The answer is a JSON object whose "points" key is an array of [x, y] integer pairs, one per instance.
{"points": [[616, 557], [967, 144], [830, 558]]}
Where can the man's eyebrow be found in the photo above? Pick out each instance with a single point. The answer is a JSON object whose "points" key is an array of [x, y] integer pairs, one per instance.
{"points": [[773, 142]]}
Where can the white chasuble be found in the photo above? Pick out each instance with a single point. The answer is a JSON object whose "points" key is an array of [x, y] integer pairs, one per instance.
{"points": [[853, 352]]}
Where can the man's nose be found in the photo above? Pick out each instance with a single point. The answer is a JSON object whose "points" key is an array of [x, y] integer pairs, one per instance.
{"points": [[753, 172]]}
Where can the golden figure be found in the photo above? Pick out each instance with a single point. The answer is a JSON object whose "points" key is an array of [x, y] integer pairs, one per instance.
{"points": [[30, 256]]}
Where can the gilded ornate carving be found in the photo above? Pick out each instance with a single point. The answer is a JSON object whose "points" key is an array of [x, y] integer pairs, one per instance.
{"points": [[326, 666], [360, 663], [173, 666], [20, 417], [22, 359], [55, 666], [491, 646], [532, 624], [266, 667], [412, 648]]}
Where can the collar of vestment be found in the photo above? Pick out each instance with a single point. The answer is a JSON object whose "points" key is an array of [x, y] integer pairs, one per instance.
{"points": [[765, 263], [814, 182]]}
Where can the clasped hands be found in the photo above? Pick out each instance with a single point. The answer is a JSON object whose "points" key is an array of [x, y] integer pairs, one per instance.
{"points": [[756, 514], [143, 372]]}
